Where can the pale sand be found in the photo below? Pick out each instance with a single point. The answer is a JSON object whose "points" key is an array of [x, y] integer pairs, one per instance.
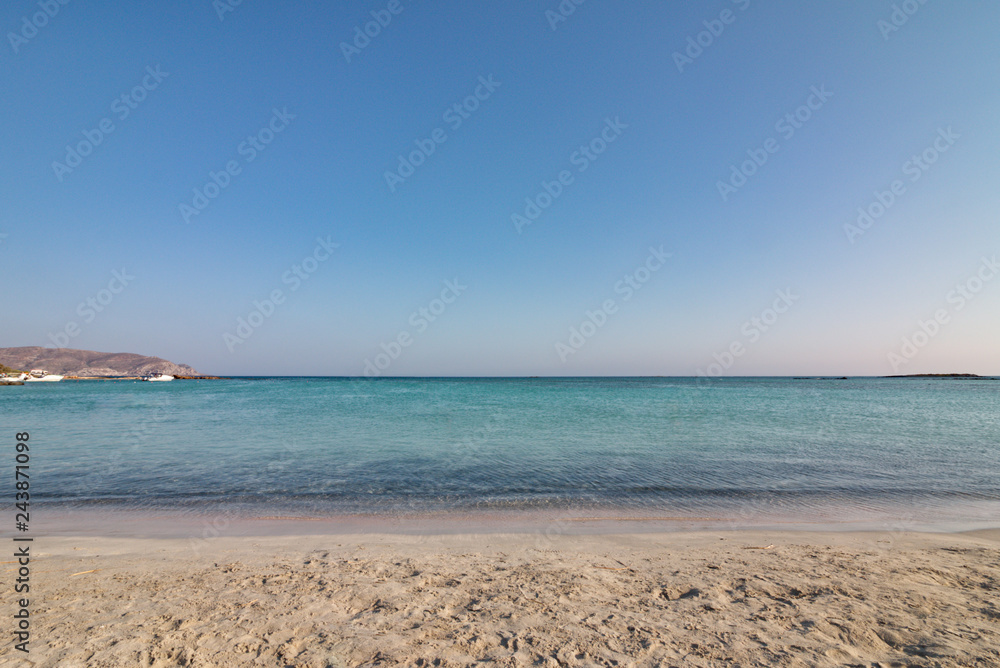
{"points": [[671, 599]]}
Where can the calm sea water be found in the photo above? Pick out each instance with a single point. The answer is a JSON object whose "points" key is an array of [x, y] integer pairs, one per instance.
{"points": [[735, 450]]}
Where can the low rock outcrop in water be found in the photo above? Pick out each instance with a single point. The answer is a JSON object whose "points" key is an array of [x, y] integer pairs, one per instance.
{"points": [[70, 362]]}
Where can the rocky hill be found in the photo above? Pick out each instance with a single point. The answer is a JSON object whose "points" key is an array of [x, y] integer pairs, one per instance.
{"points": [[69, 362]]}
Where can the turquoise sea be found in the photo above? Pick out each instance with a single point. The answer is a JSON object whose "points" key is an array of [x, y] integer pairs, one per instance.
{"points": [[921, 452]]}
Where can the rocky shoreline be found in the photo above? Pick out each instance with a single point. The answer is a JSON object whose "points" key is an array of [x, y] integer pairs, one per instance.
{"points": [[140, 378]]}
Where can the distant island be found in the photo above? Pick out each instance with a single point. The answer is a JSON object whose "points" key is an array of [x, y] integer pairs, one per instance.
{"points": [[89, 363], [937, 375]]}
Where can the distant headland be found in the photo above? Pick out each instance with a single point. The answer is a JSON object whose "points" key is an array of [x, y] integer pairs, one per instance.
{"points": [[91, 364]]}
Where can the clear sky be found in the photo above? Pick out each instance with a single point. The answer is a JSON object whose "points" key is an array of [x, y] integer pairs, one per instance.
{"points": [[622, 131]]}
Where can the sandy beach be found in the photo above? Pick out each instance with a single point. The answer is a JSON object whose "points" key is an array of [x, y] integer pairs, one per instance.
{"points": [[747, 598]]}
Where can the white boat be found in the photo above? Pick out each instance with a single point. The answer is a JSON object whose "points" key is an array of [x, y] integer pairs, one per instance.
{"points": [[157, 377], [41, 376], [11, 379]]}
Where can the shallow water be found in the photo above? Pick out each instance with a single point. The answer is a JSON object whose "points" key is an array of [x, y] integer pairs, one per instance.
{"points": [[913, 451]]}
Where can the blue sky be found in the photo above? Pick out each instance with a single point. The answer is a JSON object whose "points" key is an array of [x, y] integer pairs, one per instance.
{"points": [[909, 293]]}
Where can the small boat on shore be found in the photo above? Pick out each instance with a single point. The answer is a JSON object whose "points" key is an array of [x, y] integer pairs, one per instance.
{"points": [[41, 376], [12, 379], [157, 377]]}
